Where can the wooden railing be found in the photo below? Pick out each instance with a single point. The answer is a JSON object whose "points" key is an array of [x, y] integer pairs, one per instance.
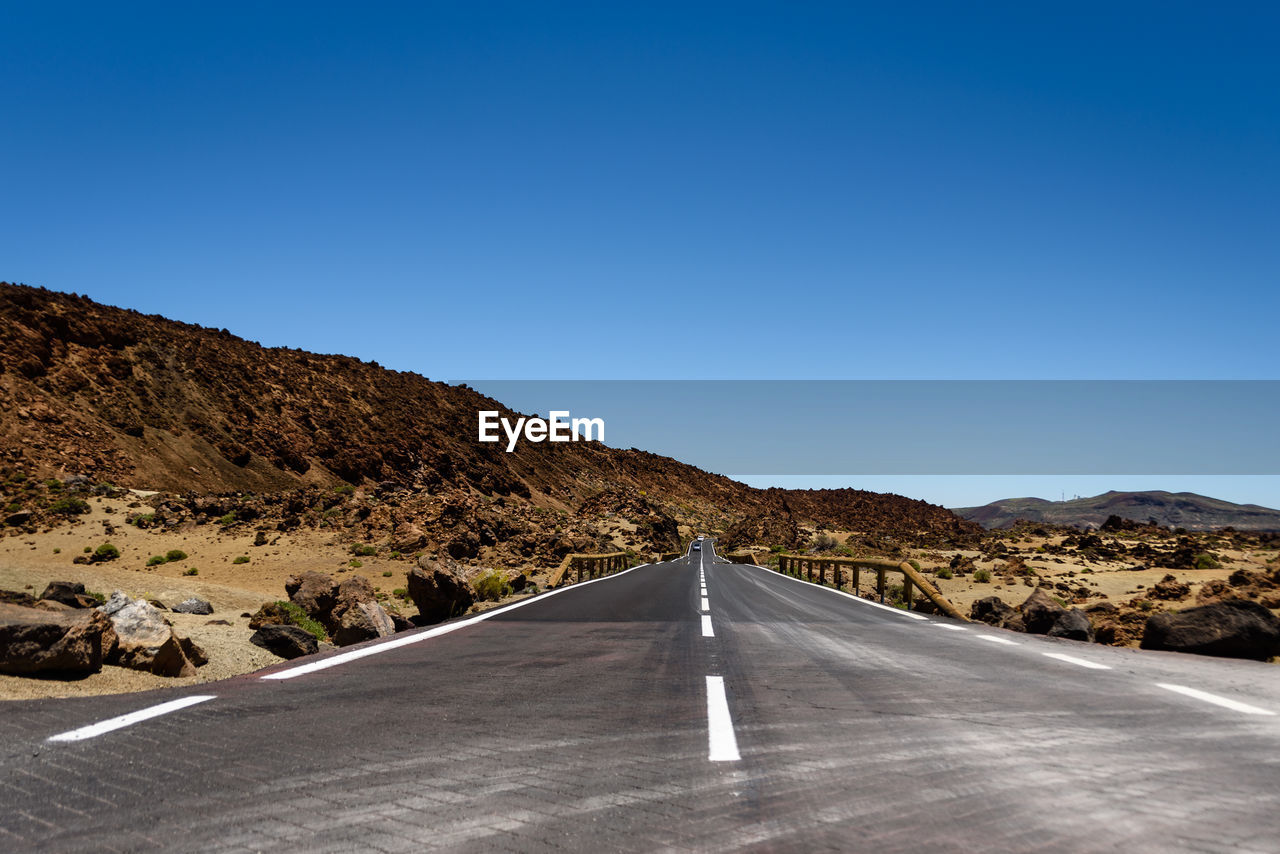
{"points": [[580, 566], [742, 557], [816, 569]]}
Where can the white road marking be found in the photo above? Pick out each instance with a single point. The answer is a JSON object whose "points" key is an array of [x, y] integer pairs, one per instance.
{"points": [[706, 605], [1226, 703], [707, 631], [1071, 659], [405, 640], [130, 719], [995, 639], [901, 613], [721, 742], [948, 626]]}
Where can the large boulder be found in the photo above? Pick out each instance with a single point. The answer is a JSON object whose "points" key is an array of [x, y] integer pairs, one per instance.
{"points": [[69, 593], [1073, 625], [439, 589], [193, 605], [1040, 612], [349, 610], [314, 592], [357, 616], [1232, 628], [993, 611], [285, 641], [147, 641], [33, 640]]}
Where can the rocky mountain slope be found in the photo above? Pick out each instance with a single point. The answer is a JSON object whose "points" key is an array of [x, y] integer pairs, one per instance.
{"points": [[144, 402], [1170, 509]]}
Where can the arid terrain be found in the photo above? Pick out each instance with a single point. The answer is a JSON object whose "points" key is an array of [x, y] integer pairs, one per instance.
{"points": [[167, 461]]}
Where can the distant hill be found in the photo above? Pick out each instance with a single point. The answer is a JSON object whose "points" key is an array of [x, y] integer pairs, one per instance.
{"points": [[1176, 509]]}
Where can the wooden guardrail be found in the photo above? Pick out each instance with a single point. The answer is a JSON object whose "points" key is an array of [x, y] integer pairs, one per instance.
{"points": [[742, 557], [579, 566], [807, 566]]}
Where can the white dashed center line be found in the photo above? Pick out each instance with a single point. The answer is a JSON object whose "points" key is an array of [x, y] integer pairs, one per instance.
{"points": [[706, 605], [721, 742], [707, 631], [995, 639], [1226, 703], [1079, 662], [130, 719]]}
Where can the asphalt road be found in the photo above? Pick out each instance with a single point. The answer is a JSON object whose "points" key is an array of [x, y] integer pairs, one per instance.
{"points": [[628, 714]]}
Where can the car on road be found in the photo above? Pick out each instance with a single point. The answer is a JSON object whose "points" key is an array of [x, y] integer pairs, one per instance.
{"points": [[697, 547]]}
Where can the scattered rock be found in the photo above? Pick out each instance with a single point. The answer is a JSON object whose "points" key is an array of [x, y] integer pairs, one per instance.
{"points": [[1232, 628], [69, 593], [314, 592], [349, 611], [193, 605], [157, 604], [270, 614], [285, 641], [216, 623], [73, 642], [994, 611], [439, 589], [17, 597], [1169, 589]]}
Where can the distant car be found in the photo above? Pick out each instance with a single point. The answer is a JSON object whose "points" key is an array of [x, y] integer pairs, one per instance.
{"points": [[697, 547], [701, 537]]}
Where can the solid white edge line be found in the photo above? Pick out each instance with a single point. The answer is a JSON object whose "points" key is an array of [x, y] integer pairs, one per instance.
{"points": [[396, 643], [707, 630], [1071, 659], [1225, 702], [995, 639], [130, 719], [722, 744], [901, 613], [706, 605]]}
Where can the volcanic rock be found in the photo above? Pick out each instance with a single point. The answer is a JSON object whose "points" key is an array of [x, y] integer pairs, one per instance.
{"points": [[69, 593], [34, 640], [147, 642], [193, 606], [1040, 612], [439, 589], [1232, 628], [993, 611], [284, 640], [1073, 625]]}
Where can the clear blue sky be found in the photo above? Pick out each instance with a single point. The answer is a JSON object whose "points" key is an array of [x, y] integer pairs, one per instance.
{"points": [[558, 190]]}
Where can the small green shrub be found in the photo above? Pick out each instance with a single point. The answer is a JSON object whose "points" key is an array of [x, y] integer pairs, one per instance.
{"points": [[1145, 604], [143, 519], [155, 560], [386, 574], [299, 618], [945, 572], [192, 571], [88, 549], [53, 484], [69, 506], [57, 551], [345, 489], [491, 587], [175, 554], [241, 559], [1206, 561], [363, 550], [400, 593], [101, 597], [982, 576], [915, 564], [106, 551], [355, 563], [394, 555], [228, 519]]}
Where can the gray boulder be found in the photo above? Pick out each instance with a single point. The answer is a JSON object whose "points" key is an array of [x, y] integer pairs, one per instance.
{"points": [[147, 641], [69, 593], [193, 606], [1232, 628], [285, 641], [34, 640], [439, 589]]}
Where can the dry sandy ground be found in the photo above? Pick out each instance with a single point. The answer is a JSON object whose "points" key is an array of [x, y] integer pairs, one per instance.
{"points": [[30, 562]]}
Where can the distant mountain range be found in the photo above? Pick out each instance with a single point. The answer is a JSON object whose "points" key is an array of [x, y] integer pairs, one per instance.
{"points": [[1176, 509]]}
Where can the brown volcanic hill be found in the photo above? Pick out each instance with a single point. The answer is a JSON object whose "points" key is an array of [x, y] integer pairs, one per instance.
{"points": [[146, 402], [1174, 509]]}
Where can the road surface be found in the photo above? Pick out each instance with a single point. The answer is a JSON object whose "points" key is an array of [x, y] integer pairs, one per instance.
{"points": [[640, 713]]}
